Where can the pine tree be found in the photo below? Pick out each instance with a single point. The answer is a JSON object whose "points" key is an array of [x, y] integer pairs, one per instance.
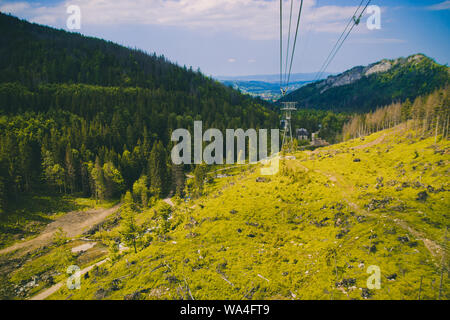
{"points": [[98, 180], [199, 179], [70, 169], [140, 190], [114, 183], [157, 170], [129, 230]]}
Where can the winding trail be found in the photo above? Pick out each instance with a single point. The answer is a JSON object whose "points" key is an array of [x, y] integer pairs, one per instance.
{"points": [[48, 292], [73, 224]]}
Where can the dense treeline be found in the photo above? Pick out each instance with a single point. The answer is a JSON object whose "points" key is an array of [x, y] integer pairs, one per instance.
{"points": [[32, 54], [100, 140], [83, 115], [430, 115], [407, 79]]}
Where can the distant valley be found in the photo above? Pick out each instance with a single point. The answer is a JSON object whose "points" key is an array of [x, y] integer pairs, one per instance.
{"points": [[267, 87]]}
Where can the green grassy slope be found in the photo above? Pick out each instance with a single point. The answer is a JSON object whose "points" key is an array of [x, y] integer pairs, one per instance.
{"points": [[309, 232]]}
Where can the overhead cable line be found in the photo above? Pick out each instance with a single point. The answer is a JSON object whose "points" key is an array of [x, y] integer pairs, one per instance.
{"points": [[339, 43], [308, 34], [295, 42], [281, 44], [289, 40]]}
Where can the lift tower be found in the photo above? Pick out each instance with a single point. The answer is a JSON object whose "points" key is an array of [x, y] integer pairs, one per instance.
{"points": [[288, 108]]}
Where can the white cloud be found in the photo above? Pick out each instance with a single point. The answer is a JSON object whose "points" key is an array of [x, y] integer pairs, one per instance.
{"points": [[440, 6], [231, 60], [376, 41], [252, 19]]}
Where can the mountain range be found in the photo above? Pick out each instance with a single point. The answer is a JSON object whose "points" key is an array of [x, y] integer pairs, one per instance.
{"points": [[364, 88]]}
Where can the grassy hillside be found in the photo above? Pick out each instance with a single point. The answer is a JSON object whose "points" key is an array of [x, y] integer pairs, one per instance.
{"points": [[364, 89], [309, 232]]}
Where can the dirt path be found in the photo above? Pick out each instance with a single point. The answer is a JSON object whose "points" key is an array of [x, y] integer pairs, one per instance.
{"points": [[73, 223], [48, 292], [370, 144], [169, 202]]}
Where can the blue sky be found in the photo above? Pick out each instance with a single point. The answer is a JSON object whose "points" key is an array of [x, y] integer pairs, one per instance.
{"points": [[241, 37]]}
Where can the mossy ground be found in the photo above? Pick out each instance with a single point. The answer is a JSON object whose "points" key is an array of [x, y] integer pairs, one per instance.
{"points": [[309, 232]]}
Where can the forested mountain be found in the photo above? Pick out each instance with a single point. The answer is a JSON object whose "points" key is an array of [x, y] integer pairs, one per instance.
{"points": [[363, 89], [79, 114]]}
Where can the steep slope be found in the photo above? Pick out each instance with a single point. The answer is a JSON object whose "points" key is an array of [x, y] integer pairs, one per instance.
{"points": [[310, 232], [363, 89], [33, 54], [70, 103]]}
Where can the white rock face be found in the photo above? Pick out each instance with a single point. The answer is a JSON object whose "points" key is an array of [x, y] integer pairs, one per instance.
{"points": [[84, 247], [380, 67], [358, 73]]}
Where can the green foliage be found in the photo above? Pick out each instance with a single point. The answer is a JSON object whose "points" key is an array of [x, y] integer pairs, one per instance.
{"points": [[427, 115], [114, 183], [200, 174], [102, 104], [157, 170], [141, 191], [59, 237], [53, 173], [129, 230], [309, 232]]}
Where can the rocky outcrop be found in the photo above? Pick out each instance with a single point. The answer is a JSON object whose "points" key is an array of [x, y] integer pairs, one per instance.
{"points": [[357, 73]]}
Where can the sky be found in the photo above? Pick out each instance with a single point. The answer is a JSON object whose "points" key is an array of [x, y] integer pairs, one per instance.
{"points": [[242, 37]]}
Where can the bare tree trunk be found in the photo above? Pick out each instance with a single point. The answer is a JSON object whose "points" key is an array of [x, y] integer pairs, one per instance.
{"points": [[437, 126], [446, 130]]}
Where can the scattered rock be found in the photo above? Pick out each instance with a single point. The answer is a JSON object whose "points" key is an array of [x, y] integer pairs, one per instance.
{"points": [[100, 294], [253, 224], [360, 219], [379, 183], [191, 235], [133, 296], [342, 233], [357, 160], [172, 279], [422, 196], [392, 277], [366, 294], [378, 204], [346, 283]]}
